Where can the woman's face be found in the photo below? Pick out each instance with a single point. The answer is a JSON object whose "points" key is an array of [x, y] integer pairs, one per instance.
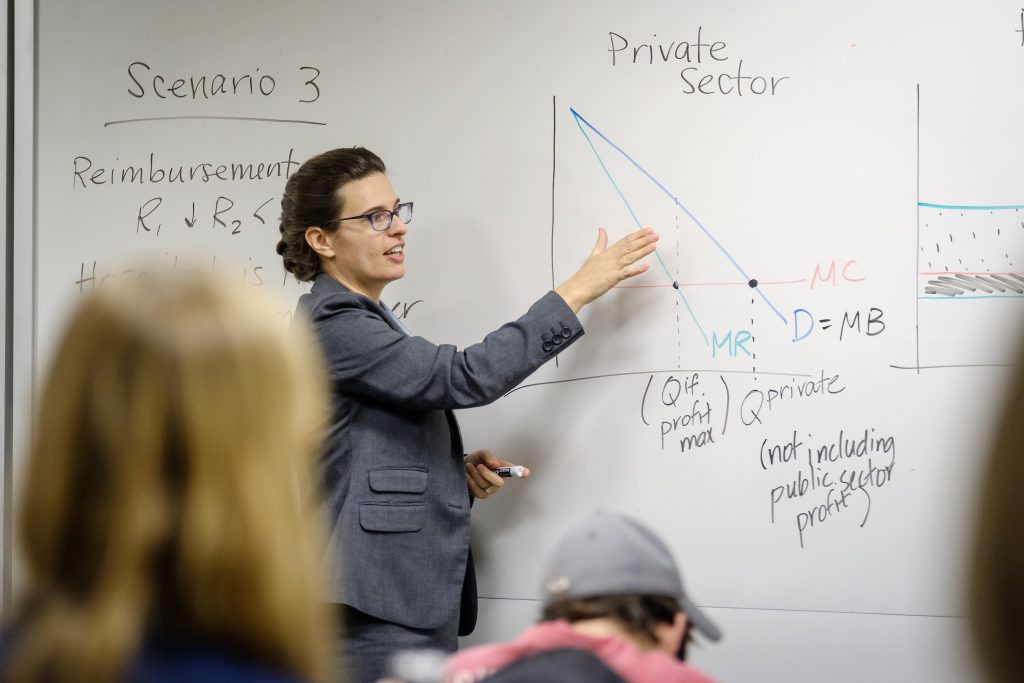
{"points": [[365, 260]]}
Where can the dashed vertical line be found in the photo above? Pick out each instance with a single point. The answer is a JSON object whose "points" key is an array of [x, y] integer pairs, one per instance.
{"points": [[679, 331], [753, 354], [753, 341]]}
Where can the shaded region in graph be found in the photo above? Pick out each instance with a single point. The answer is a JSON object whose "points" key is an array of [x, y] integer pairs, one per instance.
{"points": [[970, 251], [970, 254], [984, 284]]}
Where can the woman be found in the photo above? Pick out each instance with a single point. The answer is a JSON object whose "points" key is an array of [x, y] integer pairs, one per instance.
{"points": [[162, 524], [396, 484]]}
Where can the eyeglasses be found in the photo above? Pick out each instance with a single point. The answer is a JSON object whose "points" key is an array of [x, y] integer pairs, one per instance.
{"points": [[380, 220]]}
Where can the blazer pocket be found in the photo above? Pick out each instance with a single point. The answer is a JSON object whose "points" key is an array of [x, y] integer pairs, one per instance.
{"points": [[398, 479], [391, 517]]}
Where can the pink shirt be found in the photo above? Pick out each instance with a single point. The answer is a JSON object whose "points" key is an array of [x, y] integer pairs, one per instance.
{"points": [[630, 662]]}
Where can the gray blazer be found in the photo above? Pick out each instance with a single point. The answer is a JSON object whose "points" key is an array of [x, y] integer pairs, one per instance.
{"points": [[396, 498]]}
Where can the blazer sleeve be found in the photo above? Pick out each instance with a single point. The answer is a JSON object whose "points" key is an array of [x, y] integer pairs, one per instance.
{"points": [[367, 357]]}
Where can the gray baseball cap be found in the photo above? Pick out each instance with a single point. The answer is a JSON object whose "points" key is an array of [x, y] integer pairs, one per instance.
{"points": [[611, 554]]}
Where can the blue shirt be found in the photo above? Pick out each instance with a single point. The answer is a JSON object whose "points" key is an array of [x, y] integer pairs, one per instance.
{"points": [[173, 663]]}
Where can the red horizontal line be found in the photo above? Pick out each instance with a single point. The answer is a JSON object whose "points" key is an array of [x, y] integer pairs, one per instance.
{"points": [[714, 284], [783, 282]]}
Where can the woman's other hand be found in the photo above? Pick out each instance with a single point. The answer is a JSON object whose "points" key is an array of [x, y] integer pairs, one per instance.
{"points": [[483, 483]]}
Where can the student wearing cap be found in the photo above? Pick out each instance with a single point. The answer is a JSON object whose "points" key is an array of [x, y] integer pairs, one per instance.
{"points": [[613, 589]]}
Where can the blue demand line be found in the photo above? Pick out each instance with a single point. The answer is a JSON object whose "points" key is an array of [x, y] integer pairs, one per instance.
{"points": [[580, 119], [640, 225], [972, 207]]}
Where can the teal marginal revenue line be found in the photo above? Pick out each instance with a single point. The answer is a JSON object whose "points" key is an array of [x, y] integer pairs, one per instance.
{"points": [[580, 119], [638, 224], [973, 207], [946, 297]]}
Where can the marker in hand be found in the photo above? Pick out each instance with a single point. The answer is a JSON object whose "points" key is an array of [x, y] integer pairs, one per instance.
{"points": [[508, 472]]}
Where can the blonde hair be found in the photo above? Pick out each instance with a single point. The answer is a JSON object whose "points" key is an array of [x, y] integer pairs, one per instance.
{"points": [[169, 487], [996, 588]]}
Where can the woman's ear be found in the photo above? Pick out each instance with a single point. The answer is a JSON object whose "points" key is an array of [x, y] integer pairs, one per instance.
{"points": [[318, 241]]}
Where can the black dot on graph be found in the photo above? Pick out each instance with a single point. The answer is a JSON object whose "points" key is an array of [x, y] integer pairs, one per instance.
{"points": [[676, 285], [752, 283]]}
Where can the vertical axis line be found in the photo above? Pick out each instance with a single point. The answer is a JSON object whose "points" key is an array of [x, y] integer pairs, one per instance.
{"points": [[917, 252]]}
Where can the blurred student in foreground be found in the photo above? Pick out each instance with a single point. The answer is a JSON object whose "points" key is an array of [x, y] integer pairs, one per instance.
{"points": [[612, 589], [996, 587], [163, 525]]}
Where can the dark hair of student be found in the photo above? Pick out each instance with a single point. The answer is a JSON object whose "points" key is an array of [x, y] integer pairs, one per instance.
{"points": [[311, 199], [640, 614]]}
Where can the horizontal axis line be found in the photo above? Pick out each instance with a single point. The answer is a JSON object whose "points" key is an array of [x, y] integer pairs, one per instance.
{"points": [[962, 365], [781, 609], [658, 372], [215, 118]]}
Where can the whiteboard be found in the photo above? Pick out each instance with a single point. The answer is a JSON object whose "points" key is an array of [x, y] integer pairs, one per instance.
{"points": [[797, 394]]}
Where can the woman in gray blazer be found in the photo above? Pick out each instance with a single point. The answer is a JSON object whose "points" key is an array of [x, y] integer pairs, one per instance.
{"points": [[397, 486]]}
